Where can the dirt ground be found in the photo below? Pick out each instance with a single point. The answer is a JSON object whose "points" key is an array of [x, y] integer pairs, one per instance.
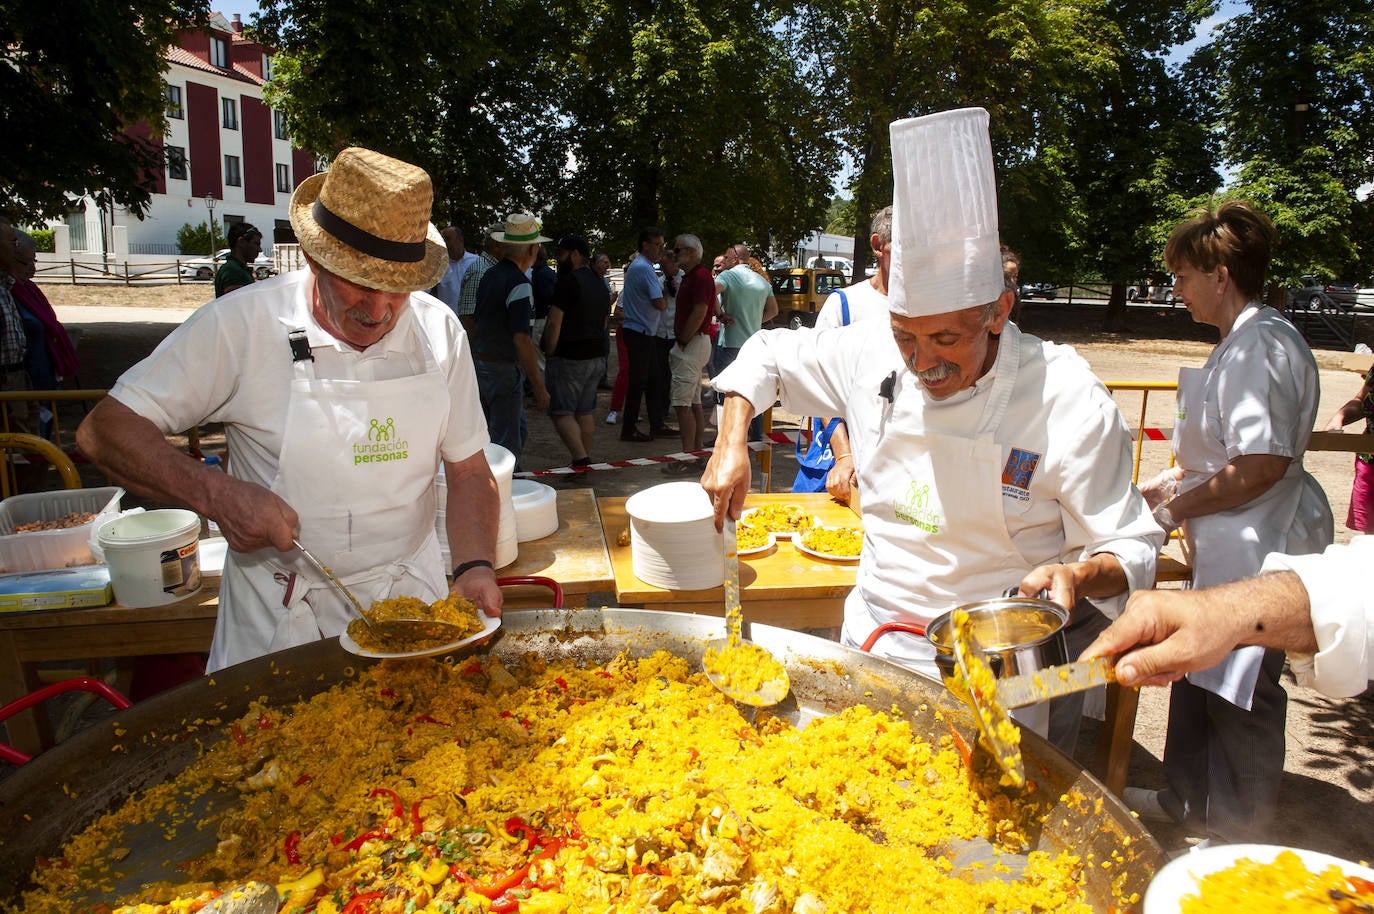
{"points": [[1327, 801]]}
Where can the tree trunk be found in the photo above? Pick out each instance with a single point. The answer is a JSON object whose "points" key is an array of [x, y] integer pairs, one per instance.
{"points": [[1115, 319]]}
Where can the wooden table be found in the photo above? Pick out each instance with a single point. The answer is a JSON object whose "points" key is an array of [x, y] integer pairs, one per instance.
{"points": [[782, 587], [574, 556]]}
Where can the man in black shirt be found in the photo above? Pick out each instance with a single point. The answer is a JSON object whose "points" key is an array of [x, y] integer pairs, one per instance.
{"points": [[575, 344], [504, 353]]}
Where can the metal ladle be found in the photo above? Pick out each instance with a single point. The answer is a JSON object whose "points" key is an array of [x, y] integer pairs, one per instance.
{"points": [[391, 629], [773, 690]]}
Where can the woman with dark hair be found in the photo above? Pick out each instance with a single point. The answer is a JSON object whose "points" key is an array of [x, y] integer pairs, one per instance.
{"points": [[1239, 491]]}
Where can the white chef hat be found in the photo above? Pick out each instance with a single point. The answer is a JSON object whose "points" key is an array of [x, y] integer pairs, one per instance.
{"points": [[946, 254]]}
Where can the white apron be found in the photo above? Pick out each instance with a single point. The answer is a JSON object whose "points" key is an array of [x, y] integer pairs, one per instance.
{"points": [[357, 463], [1230, 545]]}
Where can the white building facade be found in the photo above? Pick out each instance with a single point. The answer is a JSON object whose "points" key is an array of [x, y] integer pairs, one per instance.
{"points": [[228, 158]]}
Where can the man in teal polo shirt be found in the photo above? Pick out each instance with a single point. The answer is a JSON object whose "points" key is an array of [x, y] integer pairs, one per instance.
{"points": [[746, 304]]}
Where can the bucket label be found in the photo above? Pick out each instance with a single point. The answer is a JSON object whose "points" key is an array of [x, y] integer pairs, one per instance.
{"points": [[181, 570]]}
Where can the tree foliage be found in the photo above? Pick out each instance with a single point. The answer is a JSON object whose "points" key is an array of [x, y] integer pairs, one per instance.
{"points": [[1292, 89], [72, 81]]}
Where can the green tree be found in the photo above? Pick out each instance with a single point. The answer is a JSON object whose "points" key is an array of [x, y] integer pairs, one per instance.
{"points": [[1294, 108], [688, 114], [840, 215], [73, 79], [194, 238], [453, 88]]}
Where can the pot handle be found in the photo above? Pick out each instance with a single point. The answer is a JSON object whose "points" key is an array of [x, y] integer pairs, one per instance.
{"points": [[911, 628]]}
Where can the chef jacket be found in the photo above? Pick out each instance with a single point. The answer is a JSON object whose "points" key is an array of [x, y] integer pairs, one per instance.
{"points": [[231, 362], [1337, 583], [1256, 394], [963, 496]]}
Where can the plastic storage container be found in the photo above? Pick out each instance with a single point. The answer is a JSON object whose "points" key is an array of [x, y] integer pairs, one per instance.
{"points": [[40, 549]]}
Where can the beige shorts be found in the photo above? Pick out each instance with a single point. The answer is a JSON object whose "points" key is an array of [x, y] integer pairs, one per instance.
{"points": [[686, 365]]}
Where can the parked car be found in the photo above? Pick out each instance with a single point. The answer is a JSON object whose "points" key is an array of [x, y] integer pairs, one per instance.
{"points": [[801, 293], [1046, 290], [205, 268], [1161, 292], [1318, 293]]}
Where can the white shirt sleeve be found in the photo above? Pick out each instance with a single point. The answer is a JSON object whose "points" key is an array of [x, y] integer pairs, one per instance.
{"points": [[1261, 396], [1342, 616], [830, 314]]}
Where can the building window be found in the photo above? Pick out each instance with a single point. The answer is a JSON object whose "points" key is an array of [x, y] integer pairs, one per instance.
{"points": [[266, 66], [231, 113], [219, 53], [176, 163], [279, 125], [232, 177], [174, 102], [283, 178]]}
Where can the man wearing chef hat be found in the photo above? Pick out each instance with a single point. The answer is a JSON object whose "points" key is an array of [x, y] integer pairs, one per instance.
{"points": [[343, 390], [985, 458]]}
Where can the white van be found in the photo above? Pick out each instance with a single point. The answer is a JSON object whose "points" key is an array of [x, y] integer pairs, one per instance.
{"points": [[843, 264]]}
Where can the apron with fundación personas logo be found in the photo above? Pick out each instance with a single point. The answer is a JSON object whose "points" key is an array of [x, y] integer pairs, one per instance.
{"points": [[358, 463]]}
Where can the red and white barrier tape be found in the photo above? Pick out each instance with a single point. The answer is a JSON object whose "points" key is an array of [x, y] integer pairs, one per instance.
{"points": [[1151, 434]]}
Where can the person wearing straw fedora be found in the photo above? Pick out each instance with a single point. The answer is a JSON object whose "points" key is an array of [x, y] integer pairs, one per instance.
{"points": [[984, 457], [502, 341], [343, 390]]}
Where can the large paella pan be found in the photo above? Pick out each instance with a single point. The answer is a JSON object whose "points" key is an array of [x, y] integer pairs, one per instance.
{"points": [[716, 856]]}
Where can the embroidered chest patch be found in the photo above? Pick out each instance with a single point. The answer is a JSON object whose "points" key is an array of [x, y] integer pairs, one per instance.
{"points": [[1018, 472]]}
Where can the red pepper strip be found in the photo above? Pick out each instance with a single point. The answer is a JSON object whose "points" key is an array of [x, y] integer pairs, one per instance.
{"points": [[336, 839], [415, 814], [562, 683], [264, 722], [388, 692], [518, 827], [398, 808], [1361, 886], [426, 719], [959, 743], [505, 904], [292, 841], [366, 837], [472, 669], [236, 732], [358, 902], [494, 890], [303, 780]]}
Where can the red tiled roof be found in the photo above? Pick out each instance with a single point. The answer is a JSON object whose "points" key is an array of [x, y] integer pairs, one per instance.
{"points": [[187, 59]]}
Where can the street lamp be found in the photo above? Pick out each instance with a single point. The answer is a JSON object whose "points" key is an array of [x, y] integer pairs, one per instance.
{"points": [[210, 206]]}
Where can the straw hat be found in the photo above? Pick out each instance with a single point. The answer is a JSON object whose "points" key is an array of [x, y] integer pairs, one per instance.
{"points": [[366, 220], [521, 228]]}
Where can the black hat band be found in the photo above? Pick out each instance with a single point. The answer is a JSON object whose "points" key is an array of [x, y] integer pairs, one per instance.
{"points": [[363, 241]]}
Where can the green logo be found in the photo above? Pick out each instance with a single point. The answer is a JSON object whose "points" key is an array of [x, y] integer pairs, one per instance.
{"points": [[914, 508], [383, 444]]}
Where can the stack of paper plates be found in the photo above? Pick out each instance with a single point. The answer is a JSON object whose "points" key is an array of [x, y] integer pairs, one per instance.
{"points": [[673, 539]]}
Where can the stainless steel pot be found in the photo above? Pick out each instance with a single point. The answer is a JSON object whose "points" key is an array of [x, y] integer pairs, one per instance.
{"points": [[60, 792], [1017, 635]]}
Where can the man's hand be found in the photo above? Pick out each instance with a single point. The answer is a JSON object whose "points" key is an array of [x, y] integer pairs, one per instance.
{"points": [[1058, 580], [251, 517], [479, 585], [841, 480], [541, 397], [1171, 635], [729, 471]]}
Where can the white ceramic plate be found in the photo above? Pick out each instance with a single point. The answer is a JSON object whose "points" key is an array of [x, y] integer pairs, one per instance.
{"points": [[779, 534], [212, 553], [823, 556], [1179, 877], [489, 626], [759, 550]]}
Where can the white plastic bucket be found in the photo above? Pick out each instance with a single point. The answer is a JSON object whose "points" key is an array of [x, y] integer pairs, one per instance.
{"points": [[154, 557]]}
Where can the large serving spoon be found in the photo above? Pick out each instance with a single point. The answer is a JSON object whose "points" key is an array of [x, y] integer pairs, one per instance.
{"points": [[776, 686], [249, 898], [391, 629], [991, 698]]}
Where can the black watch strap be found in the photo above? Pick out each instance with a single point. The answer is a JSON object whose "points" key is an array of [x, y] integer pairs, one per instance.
{"points": [[468, 566]]}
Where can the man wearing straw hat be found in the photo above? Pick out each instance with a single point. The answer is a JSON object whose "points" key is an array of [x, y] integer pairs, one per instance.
{"points": [[986, 458], [343, 391]]}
